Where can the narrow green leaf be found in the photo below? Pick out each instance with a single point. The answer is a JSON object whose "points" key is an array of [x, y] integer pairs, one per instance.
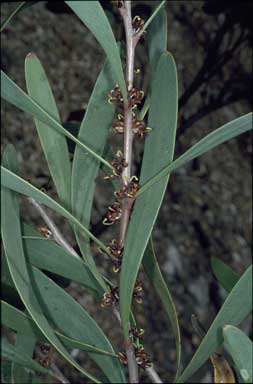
{"points": [[154, 15], [5, 371], [94, 130], [23, 345], [226, 132], [92, 15], [53, 143], [10, 352], [14, 182], [157, 45], [48, 256], [16, 320], [224, 274], [19, 7], [74, 321], [239, 346], [155, 276], [159, 149], [21, 271], [236, 307], [16, 96]]}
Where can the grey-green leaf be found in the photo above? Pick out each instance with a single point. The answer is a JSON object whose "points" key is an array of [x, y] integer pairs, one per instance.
{"points": [[54, 144], [14, 182], [157, 39], [224, 274], [16, 96], [158, 151], [236, 307], [239, 346], [24, 344], [9, 352], [22, 323], [155, 276], [94, 130], [74, 322], [47, 255], [21, 271], [226, 132], [93, 16]]}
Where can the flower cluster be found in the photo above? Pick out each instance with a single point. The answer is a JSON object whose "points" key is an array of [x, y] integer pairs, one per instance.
{"points": [[116, 251], [44, 231], [118, 163], [137, 294], [138, 126], [110, 298], [113, 214], [138, 24], [128, 190]]}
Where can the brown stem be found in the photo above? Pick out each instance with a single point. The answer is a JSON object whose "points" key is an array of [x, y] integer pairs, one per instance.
{"points": [[127, 204]]}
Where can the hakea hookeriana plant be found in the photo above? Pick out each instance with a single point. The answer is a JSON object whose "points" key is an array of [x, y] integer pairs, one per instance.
{"points": [[37, 263]]}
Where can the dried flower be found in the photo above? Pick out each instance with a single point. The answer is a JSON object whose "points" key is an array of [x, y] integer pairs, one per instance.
{"points": [[115, 95], [142, 358], [137, 295], [110, 298], [136, 333], [115, 250], [45, 232], [113, 214], [119, 124], [135, 97], [123, 358], [138, 24], [139, 127], [119, 163], [128, 190]]}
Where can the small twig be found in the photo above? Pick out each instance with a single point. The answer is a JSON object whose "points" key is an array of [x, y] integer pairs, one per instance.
{"points": [[152, 374], [57, 236], [126, 14]]}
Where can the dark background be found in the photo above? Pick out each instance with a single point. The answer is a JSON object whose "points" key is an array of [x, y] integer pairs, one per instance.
{"points": [[207, 210]]}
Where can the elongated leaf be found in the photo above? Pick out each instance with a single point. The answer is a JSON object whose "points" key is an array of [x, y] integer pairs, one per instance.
{"points": [[154, 15], [239, 346], [155, 276], [159, 149], [20, 6], [94, 130], [16, 96], [236, 307], [157, 39], [226, 132], [224, 274], [92, 15], [21, 271], [22, 323], [58, 305], [14, 182], [9, 352], [23, 345], [53, 143], [47, 255], [5, 371], [157, 44]]}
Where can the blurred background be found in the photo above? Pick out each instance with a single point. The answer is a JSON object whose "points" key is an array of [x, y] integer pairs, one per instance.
{"points": [[207, 210]]}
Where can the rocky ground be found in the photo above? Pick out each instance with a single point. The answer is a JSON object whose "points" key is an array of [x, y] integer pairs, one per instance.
{"points": [[207, 208]]}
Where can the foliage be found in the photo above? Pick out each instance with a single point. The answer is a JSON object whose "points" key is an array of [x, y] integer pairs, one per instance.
{"points": [[51, 315]]}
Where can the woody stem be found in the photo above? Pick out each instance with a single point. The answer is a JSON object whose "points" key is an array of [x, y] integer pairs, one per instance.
{"points": [[126, 14]]}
